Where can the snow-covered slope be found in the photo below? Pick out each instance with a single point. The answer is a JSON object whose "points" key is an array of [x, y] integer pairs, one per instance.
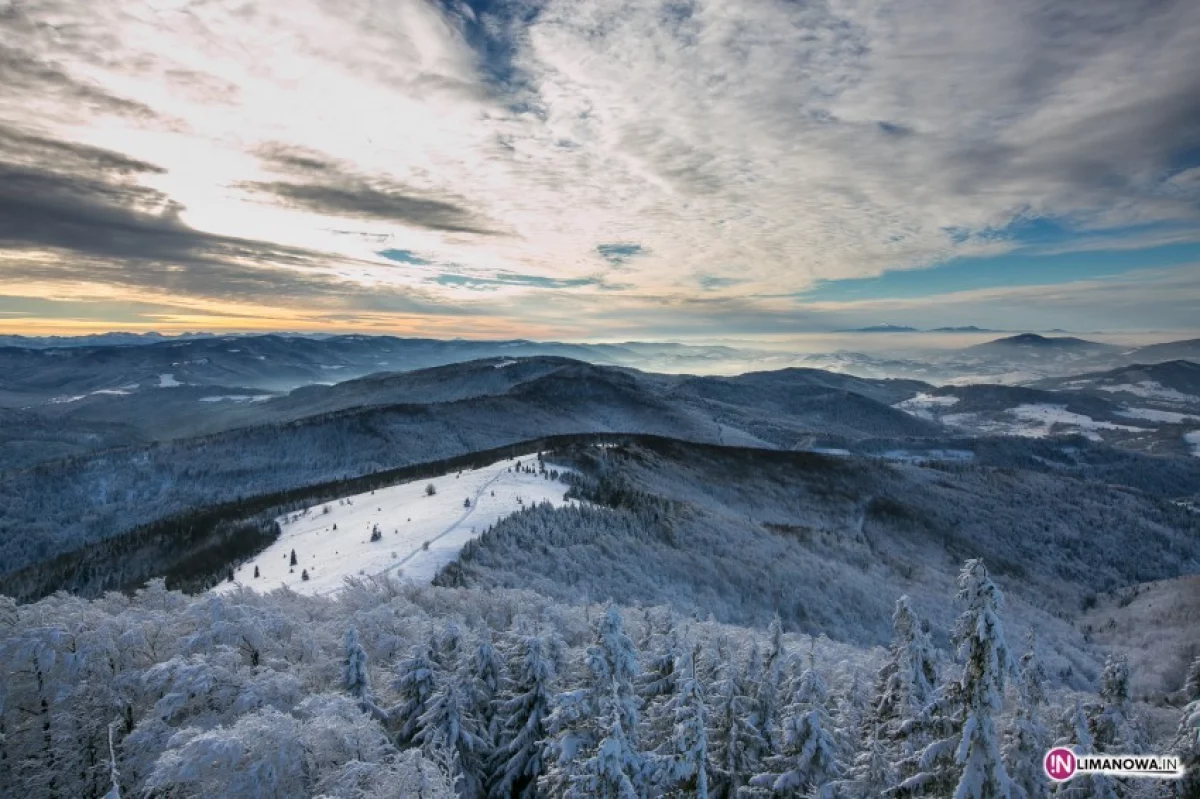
{"points": [[420, 532]]}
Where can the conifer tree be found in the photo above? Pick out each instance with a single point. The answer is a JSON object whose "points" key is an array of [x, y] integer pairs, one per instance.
{"points": [[1028, 740], [734, 743], [448, 728], [907, 679], [614, 769], [610, 675], [683, 761], [809, 761], [355, 677], [416, 683], [984, 653], [517, 762], [1187, 737], [1079, 738]]}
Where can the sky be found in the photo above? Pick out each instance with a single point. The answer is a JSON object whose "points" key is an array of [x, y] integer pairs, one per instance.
{"points": [[599, 169]]}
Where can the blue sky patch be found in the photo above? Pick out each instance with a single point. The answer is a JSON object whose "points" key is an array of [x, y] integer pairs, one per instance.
{"points": [[1017, 268], [617, 254], [404, 257]]}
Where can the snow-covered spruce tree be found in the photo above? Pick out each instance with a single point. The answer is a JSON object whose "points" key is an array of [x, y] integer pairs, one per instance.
{"points": [[769, 684], [905, 684], [416, 681], [1028, 739], [615, 768], [1113, 728], [1076, 735], [517, 761], [1187, 738], [486, 670], [809, 761], [872, 772], [657, 685], [611, 667], [448, 729], [681, 765], [963, 757], [735, 744], [356, 679], [984, 653]]}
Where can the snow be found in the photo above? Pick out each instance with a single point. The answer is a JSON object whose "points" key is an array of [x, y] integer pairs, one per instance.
{"points": [[1034, 421], [1151, 390], [1049, 415], [116, 392], [1149, 414], [408, 520], [238, 398], [168, 381], [1193, 438], [505, 363], [922, 404]]}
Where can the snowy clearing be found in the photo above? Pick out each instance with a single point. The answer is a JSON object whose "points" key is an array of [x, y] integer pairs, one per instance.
{"points": [[420, 533], [1034, 421], [921, 405], [168, 381], [1150, 390], [1151, 415], [1193, 438]]}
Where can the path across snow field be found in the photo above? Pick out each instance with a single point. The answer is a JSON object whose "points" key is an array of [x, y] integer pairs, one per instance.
{"points": [[419, 533]]}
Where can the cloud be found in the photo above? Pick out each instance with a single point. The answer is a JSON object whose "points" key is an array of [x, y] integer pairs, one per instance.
{"points": [[496, 281], [717, 149], [331, 188]]}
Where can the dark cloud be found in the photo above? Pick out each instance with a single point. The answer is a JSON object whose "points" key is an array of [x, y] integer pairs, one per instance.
{"points": [[83, 201], [329, 187], [25, 74]]}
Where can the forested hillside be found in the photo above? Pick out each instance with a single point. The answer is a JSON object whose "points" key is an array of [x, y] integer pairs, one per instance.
{"points": [[400, 691]]}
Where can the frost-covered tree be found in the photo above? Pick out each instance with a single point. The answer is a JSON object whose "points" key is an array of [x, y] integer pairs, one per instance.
{"points": [[356, 679], [416, 682], [1028, 738], [486, 669], [448, 729], [269, 753], [906, 681], [769, 686], [1078, 737], [871, 772], [658, 684], [615, 768], [1109, 721], [517, 762], [809, 761], [1187, 738], [984, 654], [735, 744], [610, 673], [682, 764]]}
